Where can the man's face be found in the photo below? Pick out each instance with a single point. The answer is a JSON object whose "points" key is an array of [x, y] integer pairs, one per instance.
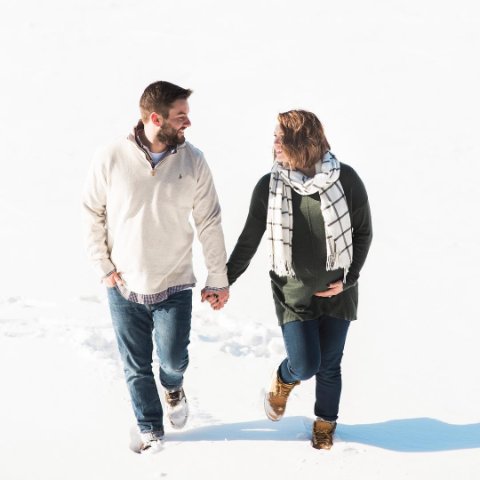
{"points": [[172, 131]]}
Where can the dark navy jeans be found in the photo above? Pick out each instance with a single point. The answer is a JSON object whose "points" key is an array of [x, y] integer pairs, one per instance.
{"points": [[315, 348], [136, 327]]}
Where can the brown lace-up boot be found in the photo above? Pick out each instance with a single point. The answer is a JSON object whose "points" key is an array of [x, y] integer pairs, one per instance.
{"points": [[322, 436], [276, 397]]}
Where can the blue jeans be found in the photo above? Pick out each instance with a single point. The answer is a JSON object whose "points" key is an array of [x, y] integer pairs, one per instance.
{"points": [[315, 347], [170, 322]]}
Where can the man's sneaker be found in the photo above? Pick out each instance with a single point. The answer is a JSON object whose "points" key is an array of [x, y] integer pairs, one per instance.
{"points": [[152, 442], [177, 407], [322, 435], [276, 397]]}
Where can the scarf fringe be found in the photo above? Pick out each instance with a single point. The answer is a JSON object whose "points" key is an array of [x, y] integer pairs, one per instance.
{"points": [[283, 269], [332, 262]]}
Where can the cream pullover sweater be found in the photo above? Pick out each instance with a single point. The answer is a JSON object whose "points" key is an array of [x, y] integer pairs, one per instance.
{"points": [[136, 217]]}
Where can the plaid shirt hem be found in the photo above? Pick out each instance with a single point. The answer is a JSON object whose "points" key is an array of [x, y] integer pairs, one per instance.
{"points": [[150, 299]]}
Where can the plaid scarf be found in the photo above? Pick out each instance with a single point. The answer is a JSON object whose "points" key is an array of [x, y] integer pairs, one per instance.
{"points": [[338, 230]]}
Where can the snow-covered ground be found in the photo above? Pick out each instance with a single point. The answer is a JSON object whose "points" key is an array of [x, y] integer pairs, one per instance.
{"points": [[396, 85], [66, 414]]}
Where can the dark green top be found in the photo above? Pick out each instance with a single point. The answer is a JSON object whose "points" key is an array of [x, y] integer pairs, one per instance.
{"points": [[294, 297]]}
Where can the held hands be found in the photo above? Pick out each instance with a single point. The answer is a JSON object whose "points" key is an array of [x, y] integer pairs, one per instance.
{"points": [[216, 298], [333, 289]]}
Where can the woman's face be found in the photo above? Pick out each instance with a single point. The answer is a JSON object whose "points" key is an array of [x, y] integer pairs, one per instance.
{"points": [[278, 152]]}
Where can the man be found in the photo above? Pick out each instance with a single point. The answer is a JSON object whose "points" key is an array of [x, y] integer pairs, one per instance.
{"points": [[138, 198]]}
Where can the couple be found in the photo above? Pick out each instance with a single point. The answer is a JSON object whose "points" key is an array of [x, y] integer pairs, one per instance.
{"points": [[137, 201]]}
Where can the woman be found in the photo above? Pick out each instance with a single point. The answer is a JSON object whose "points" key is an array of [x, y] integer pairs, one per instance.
{"points": [[317, 217]]}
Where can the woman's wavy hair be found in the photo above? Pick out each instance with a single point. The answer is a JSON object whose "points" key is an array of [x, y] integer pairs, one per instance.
{"points": [[304, 141]]}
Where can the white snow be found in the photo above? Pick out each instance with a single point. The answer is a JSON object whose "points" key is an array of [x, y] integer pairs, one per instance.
{"points": [[396, 86]]}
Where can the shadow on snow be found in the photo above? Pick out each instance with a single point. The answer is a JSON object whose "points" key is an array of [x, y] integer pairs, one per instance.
{"points": [[405, 435]]}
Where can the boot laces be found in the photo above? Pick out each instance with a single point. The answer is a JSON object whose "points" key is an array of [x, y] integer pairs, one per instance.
{"points": [[151, 439], [321, 437], [283, 389], [174, 397], [324, 434]]}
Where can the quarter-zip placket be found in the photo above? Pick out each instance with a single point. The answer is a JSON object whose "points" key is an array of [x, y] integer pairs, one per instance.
{"points": [[150, 161], [140, 145]]}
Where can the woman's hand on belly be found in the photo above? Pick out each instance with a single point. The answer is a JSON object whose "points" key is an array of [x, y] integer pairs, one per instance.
{"points": [[334, 288]]}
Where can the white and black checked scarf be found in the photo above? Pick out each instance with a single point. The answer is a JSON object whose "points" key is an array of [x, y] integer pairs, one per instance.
{"points": [[338, 228]]}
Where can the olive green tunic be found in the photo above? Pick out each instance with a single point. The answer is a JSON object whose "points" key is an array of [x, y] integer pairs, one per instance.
{"points": [[294, 297]]}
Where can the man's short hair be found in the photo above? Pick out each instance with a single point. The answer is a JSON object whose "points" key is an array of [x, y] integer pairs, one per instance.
{"points": [[158, 97]]}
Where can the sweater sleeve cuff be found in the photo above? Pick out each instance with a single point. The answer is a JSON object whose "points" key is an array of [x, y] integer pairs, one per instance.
{"points": [[104, 268], [217, 280], [349, 284], [216, 289]]}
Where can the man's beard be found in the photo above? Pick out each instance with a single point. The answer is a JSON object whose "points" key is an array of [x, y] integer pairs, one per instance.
{"points": [[170, 136]]}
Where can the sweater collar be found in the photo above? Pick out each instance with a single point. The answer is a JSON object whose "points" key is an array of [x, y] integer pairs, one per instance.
{"points": [[135, 137]]}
